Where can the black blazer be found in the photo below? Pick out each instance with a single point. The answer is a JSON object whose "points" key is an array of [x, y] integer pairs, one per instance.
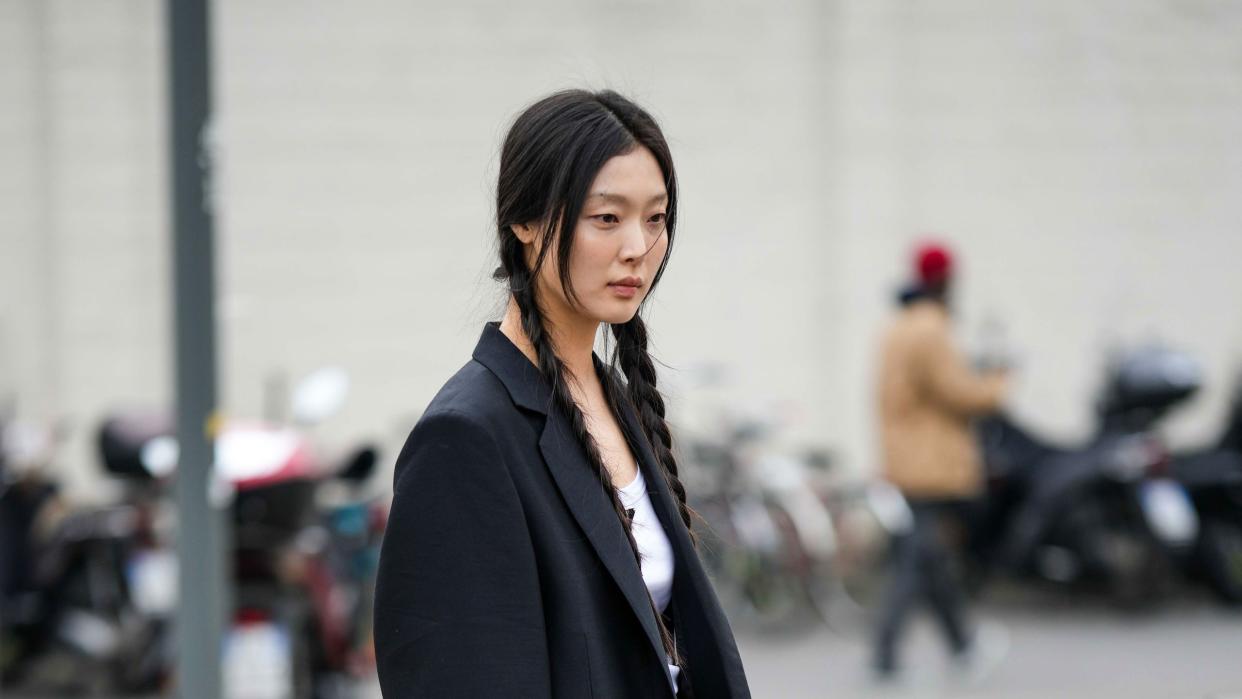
{"points": [[505, 571]]}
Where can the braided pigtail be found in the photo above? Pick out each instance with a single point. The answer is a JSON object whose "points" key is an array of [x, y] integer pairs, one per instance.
{"points": [[642, 393]]}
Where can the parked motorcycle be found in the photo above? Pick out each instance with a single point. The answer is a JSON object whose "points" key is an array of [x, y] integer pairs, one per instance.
{"points": [[1213, 477], [300, 598], [67, 620], [1105, 514]]}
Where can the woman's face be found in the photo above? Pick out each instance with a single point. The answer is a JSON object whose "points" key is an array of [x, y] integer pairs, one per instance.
{"points": [[619, 243]]}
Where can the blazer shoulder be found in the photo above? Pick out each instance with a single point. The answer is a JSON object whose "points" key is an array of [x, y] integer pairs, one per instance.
{"points": [[474, 394], [462, 426]]}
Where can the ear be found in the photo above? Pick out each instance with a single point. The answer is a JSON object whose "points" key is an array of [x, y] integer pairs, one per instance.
{"points": [[525, 232]]}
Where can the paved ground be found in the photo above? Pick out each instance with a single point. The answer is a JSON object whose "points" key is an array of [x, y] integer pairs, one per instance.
{"points": [[1191, 649], [1058, 648]]}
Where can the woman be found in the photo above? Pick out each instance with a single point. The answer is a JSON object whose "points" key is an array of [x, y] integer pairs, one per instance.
{"points": [[538, 478]]}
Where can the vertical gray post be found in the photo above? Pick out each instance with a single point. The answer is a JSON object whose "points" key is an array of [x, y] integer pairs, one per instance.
{"points": [[202, 594]]}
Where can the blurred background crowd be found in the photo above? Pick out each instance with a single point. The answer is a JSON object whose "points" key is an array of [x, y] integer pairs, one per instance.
{"points": [[1080, 162]]}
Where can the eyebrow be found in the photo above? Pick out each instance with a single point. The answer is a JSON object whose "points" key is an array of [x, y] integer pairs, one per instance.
{"points": [[621, 199]]}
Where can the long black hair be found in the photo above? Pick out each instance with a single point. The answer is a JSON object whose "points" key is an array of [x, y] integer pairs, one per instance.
{"points": [[550, 157]]}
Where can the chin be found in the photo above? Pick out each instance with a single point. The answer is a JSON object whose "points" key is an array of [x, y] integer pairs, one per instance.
{"points": [[618, 316]]}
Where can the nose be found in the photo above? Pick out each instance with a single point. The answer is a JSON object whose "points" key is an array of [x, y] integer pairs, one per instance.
{"points": [[635, 243]]}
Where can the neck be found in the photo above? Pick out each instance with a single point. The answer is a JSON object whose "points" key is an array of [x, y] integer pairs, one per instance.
{"points": [[572, 342]]}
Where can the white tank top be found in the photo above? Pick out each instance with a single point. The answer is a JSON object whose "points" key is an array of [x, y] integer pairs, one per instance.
{"points": [[654, 551]]}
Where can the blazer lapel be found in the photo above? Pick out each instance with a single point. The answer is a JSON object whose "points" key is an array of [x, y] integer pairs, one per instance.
{"points": [[574, 476], [589, 504]]}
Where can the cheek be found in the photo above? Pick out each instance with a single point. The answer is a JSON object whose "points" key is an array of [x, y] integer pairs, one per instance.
{"points": [[656, 257], [590, 260]]}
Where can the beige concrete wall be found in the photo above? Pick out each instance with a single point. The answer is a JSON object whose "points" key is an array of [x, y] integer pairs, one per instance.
{"points": [[84, 302], [1084, 160]]}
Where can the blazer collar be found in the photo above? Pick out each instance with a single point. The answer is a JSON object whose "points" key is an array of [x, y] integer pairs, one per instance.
{"points": [[574, 476], [521, 377], [528, 389]]}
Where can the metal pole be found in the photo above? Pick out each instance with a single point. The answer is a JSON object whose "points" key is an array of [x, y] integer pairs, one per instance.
{"points": [[202, 593]]}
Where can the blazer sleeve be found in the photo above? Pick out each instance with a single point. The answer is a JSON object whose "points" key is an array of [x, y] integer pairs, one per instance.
{"points": [[457, 610]]}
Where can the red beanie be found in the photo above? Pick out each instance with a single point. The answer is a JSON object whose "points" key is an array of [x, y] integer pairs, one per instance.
{"points": [[933, 264]]}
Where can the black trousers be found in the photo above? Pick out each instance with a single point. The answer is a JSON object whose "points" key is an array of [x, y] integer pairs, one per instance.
{"points": [[921, 572]]}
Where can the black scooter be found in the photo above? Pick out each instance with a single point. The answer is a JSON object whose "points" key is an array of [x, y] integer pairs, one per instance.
{"points": [[67, 620], [1104, 515], [1213, 477], [294, 631]]}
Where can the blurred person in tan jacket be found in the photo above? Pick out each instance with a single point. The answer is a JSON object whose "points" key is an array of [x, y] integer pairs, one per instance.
{"points": [[927, 398]]}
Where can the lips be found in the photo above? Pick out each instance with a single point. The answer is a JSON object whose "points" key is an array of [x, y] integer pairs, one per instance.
{"points": [[626, 288]]}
